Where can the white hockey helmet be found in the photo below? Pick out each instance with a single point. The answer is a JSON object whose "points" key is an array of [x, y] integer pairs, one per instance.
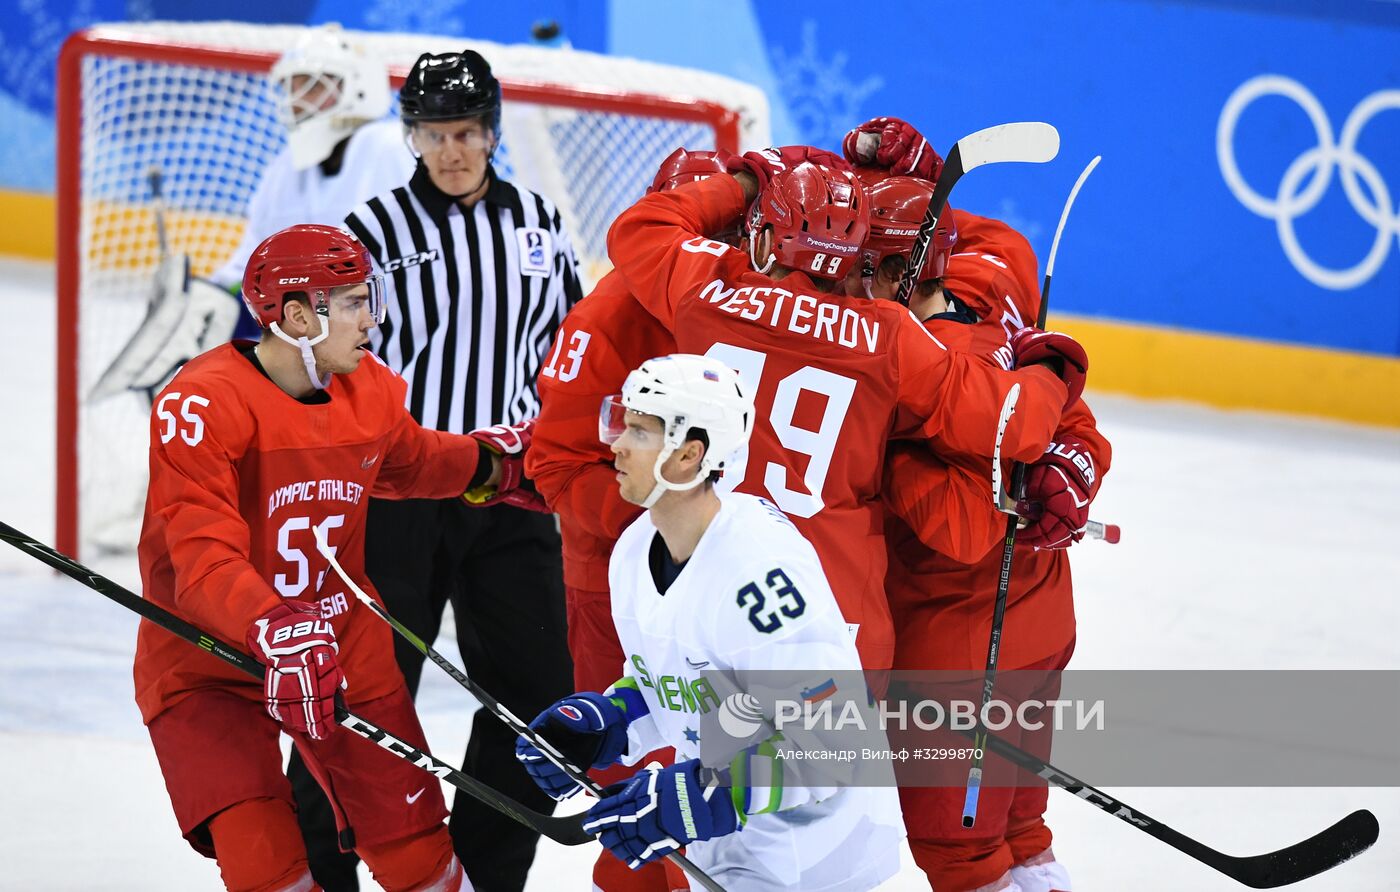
{"points": [[687, 392], [328, 87]]}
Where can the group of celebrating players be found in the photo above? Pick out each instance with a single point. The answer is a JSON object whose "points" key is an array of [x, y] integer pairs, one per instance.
{"points": [[759, 459]]}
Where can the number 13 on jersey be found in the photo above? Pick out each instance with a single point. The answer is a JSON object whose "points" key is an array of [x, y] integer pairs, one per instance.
{"points": [[817, 445]]}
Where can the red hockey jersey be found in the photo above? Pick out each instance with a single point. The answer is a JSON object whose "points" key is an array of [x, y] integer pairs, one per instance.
{"points": [[241, 476], [944, 566], [605, 336], [834, 379]]}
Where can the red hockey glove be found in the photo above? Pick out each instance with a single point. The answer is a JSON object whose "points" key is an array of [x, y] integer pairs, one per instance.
{"points": [[763, 165], [1059, 488], [1064, 354], [894, 145], [510, 442], [303, 676]]}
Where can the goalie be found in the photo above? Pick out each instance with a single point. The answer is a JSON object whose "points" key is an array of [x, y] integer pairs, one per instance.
{"points": [[332, 98]]}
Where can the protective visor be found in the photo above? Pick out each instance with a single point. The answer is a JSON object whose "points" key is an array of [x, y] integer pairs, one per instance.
{"points": [[344, 300], [611, 419], [307, 95]]}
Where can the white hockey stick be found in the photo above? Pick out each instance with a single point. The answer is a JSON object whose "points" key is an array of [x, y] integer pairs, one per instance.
{"points": [[1006, 504], [1032, 142]]}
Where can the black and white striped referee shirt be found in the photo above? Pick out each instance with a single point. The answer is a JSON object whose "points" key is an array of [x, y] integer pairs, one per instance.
{"points": [[475, 296]]}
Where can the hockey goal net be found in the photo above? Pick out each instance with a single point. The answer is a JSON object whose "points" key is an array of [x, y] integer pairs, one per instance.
{"points": [[193, 102]]}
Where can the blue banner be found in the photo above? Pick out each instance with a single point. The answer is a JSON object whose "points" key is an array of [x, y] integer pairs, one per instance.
{"points": [[1251, 171]]}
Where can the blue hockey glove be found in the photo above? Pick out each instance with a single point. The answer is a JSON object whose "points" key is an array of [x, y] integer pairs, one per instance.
{"points": [[660, 810], [588, 729]]}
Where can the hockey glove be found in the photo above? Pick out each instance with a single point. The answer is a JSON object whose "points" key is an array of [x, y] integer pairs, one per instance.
{"points": [[299, 650], [660, 810], [588, 729], [763, 165], [894, 145], [1059, 488], [509, 442], [1063, 353]]}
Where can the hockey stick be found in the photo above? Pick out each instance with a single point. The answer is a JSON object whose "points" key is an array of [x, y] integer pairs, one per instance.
{"points": [[974, 773], [1108, 532], [1018, 474], [1339, 843], [157, 182], [566, 830], [163, 313], [494, 706], [1028, 141]]}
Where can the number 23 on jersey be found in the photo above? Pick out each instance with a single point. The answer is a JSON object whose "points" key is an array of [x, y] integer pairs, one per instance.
{"points": [[769, 604]]}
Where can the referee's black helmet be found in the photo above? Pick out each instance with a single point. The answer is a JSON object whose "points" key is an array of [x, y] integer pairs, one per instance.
{"points": [[449, 86]]}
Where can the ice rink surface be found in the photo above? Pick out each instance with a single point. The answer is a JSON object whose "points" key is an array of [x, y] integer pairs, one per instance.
{"points": [[1249, 542]]}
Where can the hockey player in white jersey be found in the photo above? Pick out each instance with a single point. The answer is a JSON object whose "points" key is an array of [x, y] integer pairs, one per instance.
{"points": [[341, 150], [707, 588]]}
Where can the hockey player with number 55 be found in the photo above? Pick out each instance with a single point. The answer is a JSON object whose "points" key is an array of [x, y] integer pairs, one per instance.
{"points": [[256, 448]]}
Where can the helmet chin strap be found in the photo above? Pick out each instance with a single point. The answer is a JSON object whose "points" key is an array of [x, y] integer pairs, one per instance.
{"points": [[753, 261], [308, 359], [662, 484], [865, 286]]}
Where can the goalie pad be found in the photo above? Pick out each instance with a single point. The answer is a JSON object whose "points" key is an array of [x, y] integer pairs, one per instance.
{"points": [[186, 317]]}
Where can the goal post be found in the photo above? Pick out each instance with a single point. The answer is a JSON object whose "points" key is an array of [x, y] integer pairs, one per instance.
{"points": [[194, 102]]}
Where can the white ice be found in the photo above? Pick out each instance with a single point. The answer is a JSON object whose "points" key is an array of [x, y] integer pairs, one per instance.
{"points": [[1250, 541]]}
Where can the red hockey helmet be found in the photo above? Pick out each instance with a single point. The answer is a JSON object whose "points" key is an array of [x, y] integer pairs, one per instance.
{"points": [[820, 217], [897, 208], [310, 259], [682, 166]]}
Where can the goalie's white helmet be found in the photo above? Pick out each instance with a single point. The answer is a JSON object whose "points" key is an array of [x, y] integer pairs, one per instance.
{"points": [[687, 392], [329, 87]]}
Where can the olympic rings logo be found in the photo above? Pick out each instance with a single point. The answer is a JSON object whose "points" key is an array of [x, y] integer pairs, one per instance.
{"points": [[1291, 200]]}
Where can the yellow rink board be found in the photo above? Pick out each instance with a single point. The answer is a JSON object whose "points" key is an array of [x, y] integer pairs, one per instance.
{"points": [[1237, 373], [1128, 358], [27, 225]]}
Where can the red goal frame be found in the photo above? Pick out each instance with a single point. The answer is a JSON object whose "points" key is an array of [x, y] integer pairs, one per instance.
{"points": [[69, 114]]}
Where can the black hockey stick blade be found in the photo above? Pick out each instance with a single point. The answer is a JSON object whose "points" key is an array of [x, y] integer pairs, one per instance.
{"points": [[564, 830], [1339, 843]]}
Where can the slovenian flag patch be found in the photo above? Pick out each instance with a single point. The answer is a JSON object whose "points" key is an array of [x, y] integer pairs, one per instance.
{"points": [[819, 692]]}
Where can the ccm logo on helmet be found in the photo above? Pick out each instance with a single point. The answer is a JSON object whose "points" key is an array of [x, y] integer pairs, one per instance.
{"points": [[411, 260], [294, 280]]}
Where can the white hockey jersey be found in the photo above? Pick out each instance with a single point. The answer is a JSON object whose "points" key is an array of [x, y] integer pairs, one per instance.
{"points": [[377, 160], [751, 598]]}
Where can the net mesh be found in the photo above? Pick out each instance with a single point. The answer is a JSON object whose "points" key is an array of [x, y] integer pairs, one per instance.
{"points": [[200, 134]]}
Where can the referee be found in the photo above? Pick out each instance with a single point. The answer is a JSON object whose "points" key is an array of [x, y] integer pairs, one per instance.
{"points": [[479, 274]]}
